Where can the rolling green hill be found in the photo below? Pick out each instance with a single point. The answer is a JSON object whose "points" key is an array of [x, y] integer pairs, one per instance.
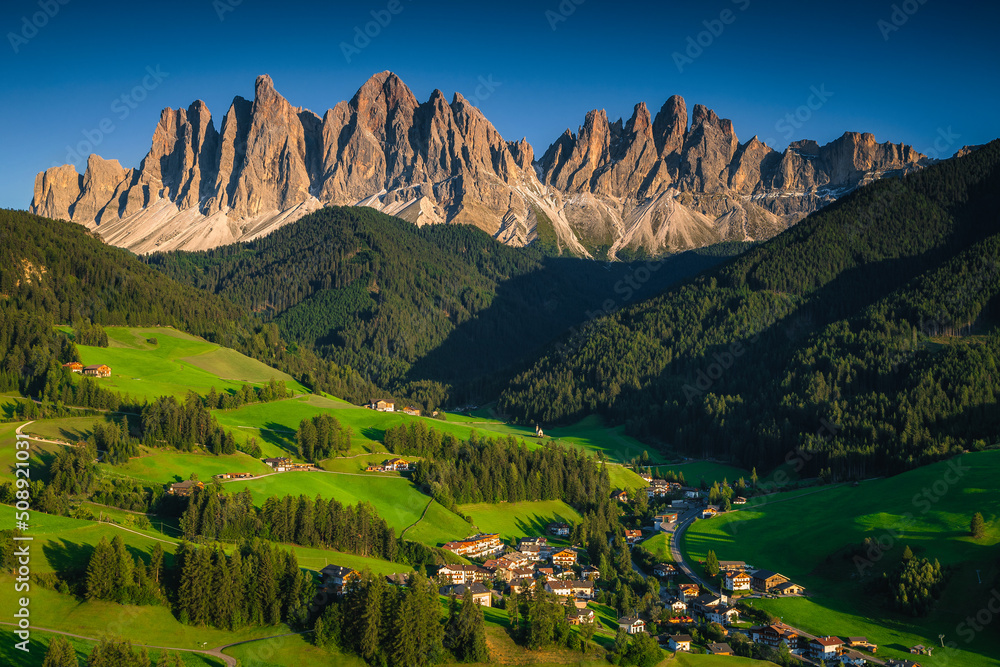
{"points": [[824, 338], [816, 539]]}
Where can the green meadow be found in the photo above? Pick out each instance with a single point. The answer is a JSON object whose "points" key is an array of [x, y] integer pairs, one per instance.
{"points": [[164, 466], [176, 364], [710, 471], [806, 535], [514, 520], [659, 546], [39, 644]]}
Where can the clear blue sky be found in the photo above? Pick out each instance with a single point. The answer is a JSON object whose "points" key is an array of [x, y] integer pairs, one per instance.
{"points": [[931, 79]]}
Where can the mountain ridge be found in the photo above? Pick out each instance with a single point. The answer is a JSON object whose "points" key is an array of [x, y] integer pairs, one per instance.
{"points": [[646, 185]]}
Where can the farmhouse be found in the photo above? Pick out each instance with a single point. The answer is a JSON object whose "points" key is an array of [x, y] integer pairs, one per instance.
{"points": [[564, 558], [74, 366], [382, 405], [461, 574], [235, 475], [739, 500], [185, 488], [738, 581], [620, 495], [862, 642], [764, 580], [633, 625], [788, 588], [590, 573], [480, 594], [664, 570], [97, 371], [559, 529], [413, 412], [580, 616], [720, 649], [280, 464], [679, 642], [633, 536], [396, 464], [477, 546], [335, 578]]}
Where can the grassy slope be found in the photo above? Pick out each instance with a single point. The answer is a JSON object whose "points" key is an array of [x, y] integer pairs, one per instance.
{"points": [[513, 520], [710, 471], [804, 539], [659, 546], [176, 364], [39, 644]]}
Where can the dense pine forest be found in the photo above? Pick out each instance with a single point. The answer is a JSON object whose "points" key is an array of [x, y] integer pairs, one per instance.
{"points": [[55, 272], [862, 341], [430, 313]]}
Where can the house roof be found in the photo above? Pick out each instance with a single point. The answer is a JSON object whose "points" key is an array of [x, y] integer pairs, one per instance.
{"points": [[681, 638], [767, 574], [720, 647], [827, 641], [630, 620], [336, 571], [459, 589]]}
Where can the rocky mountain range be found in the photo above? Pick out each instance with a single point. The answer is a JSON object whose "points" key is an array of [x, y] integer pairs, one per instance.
{"points": [[656, 184]]}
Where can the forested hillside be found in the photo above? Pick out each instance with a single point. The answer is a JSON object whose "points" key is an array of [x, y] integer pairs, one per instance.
{"points": [[417, 310], [58, 273], [866, 336]]}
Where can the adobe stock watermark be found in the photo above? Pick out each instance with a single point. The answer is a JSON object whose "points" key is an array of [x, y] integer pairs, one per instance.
{"points": [[795, 120], [562, 13], [696, 44], [364, 34], [121, 107], [487, 86], [898, 17], [223, 7], [945, 139], [31, 24]]}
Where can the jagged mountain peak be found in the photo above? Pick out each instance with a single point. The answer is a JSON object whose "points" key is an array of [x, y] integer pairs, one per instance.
{"points": [[628, 184]]}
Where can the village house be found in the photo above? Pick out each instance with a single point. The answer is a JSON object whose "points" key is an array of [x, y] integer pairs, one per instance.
{"points": [[396, 465], [764, 580], [480, 594], [620, 495], [776, 635], [677, 605], [633, 625], [185, 488], [646, 477], [532, 542], [722, 615], [708, 513], [580, 616], [690, 492], [825, 648], [738, 581], [522, 585], [398, 579], [97, 371], [719, 649], [633, 536], [523, 572], [335, 577], [235, 475], [590, 573], [383, 405], [280, 464], [74, 367], [732, 566], [664, 570], [688, 591], [578, 589], [658, 488], [558, 529], [533, 552], [477, 546], [413, 412], [901, 663], [739, 500], [564, 558], [461, 574], [679, 642]]}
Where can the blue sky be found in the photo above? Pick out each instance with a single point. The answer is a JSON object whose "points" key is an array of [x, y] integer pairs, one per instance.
{"points": [[922, 73]]}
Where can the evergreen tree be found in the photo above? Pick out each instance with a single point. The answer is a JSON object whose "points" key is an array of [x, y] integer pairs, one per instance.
{"points": [[60, 654], [711, 564], [977, 527]]}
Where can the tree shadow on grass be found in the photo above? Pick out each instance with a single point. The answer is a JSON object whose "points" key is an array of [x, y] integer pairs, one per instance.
{"points": [[278, 435], [68, 559]]}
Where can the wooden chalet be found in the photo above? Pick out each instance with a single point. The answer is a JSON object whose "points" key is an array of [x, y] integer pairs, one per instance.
{"points": [[279, 464], [333, 578], [765, 580], [564, 558], [559, 529], [679, 642], [97, 371], [74, 367], [633, 536], [633, 625], [664, 570], [720, 648], [185, 488]]}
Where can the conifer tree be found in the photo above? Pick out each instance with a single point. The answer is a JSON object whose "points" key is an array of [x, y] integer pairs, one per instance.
{"points": [[60, 654]]}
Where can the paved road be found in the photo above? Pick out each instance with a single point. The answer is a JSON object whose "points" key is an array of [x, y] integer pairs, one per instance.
{"points": [[686, 520]]}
